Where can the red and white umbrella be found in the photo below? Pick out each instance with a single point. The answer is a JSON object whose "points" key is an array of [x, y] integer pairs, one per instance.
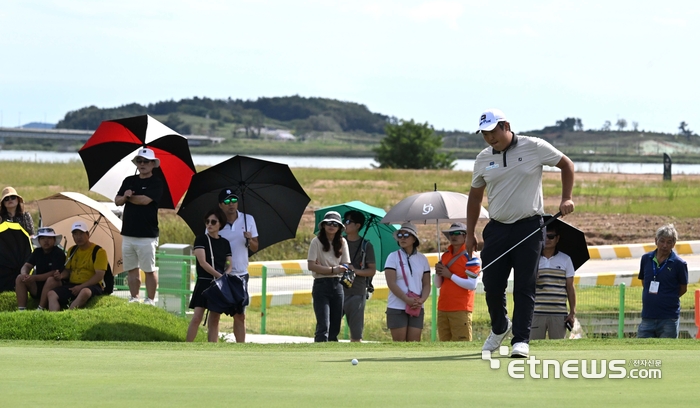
{"points": [[108, 153]]}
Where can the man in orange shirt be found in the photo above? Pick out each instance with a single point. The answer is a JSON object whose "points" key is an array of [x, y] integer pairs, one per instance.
{"points": [[456, 276]]}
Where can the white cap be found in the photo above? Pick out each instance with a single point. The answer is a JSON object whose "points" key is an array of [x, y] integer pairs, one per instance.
{"points": [[147, 154], [490, 118], [79, 225]]}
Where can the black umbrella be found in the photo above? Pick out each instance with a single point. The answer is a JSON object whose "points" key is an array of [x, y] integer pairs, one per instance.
{"points": [[267, 190], [572, 241]]}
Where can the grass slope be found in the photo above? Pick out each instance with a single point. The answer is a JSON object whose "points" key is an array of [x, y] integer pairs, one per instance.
{"points": [[104, 318]]}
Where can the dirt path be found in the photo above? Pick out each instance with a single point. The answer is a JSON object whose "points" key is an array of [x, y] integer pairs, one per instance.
{"points": [[626, 228]]}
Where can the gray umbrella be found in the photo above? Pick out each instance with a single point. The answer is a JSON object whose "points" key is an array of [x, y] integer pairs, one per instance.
{"points": [[432, 207]]}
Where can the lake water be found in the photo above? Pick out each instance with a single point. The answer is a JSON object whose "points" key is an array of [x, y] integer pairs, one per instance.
{"points": [[359, 162]]}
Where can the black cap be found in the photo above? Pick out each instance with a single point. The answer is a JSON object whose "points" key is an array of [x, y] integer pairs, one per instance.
{"points": [[226, 193]]}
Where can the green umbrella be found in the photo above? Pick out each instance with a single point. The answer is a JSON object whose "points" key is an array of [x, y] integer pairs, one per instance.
{"points": [[381, 236]]}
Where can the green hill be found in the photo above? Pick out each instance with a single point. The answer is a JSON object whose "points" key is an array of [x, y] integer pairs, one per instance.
{"points": [[328, 127]]}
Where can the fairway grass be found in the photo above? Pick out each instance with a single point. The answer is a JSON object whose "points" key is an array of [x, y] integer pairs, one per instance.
{"points": [[115, 374]]}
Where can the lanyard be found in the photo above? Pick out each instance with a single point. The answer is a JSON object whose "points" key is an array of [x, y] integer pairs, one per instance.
{"points": [[661, 267]]}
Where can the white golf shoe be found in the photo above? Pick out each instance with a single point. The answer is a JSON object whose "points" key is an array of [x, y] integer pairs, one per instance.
{"points": [[493, 342], [520, 350]]}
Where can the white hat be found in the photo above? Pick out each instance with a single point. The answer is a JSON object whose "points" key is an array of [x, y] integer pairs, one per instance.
{"points": [[410, 228], [457, 226], [79, 225], [332, 216], [490, 118], [147, 154], [49, 232]]}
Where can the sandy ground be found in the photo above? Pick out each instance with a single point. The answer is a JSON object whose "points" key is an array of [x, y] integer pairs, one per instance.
{"points": [[599, 229]]}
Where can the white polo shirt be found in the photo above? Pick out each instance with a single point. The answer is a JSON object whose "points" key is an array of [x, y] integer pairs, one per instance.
{"points": [[234, 234], [513, 178]]}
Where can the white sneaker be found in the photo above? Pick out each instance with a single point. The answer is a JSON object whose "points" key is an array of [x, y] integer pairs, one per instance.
{"points": [[493, 342], [149, 302], [520, 350], [134, 299]]}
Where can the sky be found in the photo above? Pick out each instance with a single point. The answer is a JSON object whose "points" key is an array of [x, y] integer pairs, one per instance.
{"points": [[441, 62]]}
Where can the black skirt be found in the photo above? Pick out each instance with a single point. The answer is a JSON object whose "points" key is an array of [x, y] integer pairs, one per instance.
{"points": [[198, 299]]}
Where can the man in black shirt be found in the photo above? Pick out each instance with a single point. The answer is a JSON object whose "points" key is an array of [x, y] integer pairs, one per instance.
{"points": [[45, 260], [140, 195], [364, 266]]}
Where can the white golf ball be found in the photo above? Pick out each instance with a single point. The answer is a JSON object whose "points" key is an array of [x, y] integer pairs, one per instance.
{"points": [[354, 361]]}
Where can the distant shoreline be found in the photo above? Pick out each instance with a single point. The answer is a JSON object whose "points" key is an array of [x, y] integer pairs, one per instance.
{"points": [[314, 151]]}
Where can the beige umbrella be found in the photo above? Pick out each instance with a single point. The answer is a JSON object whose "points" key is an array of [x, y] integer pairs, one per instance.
{"points": [[61, 210]]}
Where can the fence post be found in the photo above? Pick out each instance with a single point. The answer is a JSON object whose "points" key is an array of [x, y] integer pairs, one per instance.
{"points": [[184, 285], [263, 302], [433, 323], [697, 312], [621, 315]]}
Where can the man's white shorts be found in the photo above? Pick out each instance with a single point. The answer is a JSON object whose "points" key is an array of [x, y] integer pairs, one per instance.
{"points": [[139, 253]]}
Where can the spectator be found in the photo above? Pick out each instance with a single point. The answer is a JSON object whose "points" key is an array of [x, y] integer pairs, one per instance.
{"points": [[12, 209], [84, 270], [363, 264], [406, 270], [328, 252], [46, 261], [140, 195], [213, 254], [456, 276], [555, 285], [665, 280], [242, 234], [510, 172]]}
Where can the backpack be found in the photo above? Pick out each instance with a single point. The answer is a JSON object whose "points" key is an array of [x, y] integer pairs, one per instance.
{"points": [[108, 280]]}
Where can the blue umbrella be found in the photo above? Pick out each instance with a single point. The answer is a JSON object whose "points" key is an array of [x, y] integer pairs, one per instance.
{"points": [[381, 236]]}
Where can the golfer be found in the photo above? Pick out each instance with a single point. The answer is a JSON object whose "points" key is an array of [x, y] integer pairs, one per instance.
{"points": [[510, 170]]}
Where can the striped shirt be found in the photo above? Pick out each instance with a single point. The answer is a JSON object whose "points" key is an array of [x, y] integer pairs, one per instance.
{"points": [[550, 294]]}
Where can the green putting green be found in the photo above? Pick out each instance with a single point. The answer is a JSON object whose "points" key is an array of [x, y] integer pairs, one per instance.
{"points": [[175, 374]]}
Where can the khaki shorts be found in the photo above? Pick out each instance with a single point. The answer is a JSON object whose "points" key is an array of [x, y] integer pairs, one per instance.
{"points": [[398, 318], [139, 253], [454, 326], [555, 325]]}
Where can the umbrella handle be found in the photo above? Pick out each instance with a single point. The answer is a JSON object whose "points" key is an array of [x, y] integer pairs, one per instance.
{"points": [[549, 221]]}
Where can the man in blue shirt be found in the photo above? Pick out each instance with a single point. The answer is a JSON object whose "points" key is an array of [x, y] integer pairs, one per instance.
{"points": [[665, 277]]}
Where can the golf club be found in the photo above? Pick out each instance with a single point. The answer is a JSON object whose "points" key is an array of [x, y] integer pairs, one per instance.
{"points": [[549, 221]]}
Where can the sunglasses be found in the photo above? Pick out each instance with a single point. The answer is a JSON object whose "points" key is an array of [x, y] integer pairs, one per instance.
{"points": [[212, 222], [45, 231], [348, 222], [552, 236], [334, 224], [230, 201], [453, 233], [403, 235], [143, 161], [8, 198]]}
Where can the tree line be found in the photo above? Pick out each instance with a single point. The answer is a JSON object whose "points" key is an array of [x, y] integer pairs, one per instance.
{"points": [[300, 113]]}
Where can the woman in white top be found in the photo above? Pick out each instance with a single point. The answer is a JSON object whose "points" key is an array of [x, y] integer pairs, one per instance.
{"points": [[327, 254], [406, 269]]}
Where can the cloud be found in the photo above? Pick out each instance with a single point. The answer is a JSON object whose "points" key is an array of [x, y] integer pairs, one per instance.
{"points": [[671, 21], [447, 11]]}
